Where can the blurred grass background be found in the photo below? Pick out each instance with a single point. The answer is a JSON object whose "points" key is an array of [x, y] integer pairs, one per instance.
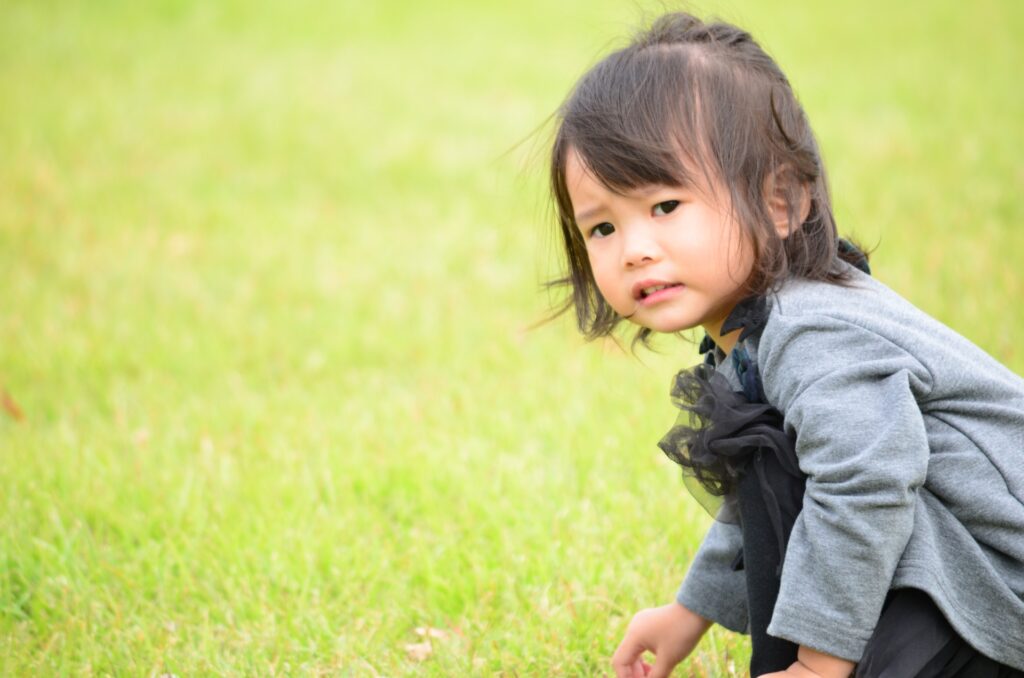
{"points": [[268, 275]]}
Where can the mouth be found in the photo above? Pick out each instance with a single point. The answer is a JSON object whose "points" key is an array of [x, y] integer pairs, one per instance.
{"points": [[646, 289]]}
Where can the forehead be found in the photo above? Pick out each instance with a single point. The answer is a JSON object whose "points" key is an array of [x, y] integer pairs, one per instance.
{"points": [[587, 191], [587, 194], [579, 179]]}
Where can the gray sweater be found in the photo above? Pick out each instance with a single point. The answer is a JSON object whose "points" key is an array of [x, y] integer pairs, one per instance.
{"points": [[912, 439]]}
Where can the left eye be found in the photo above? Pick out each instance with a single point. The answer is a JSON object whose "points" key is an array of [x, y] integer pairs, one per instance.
{"points": [[663, 208]]}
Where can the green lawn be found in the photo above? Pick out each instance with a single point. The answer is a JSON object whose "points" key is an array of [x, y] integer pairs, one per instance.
{"points": [[269, 276]]}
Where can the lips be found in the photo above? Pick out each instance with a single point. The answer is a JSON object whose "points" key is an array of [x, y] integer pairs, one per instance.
{"points": [[647, 288]]}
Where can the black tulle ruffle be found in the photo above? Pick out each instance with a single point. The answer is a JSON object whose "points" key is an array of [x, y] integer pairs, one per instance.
{"points": [[720, 435]]}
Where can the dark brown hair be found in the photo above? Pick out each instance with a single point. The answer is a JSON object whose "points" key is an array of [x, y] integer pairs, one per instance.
{"points": [[687, 97]]}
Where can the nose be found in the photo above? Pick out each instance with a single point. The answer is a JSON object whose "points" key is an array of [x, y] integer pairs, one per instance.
{"points": [[639, 246]]}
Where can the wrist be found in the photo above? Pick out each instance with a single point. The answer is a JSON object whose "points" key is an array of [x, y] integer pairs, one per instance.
{"points": [[824, 665], [693, 622]]}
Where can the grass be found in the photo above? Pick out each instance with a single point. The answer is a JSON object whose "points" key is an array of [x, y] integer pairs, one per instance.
{"points": [[269, 270]]}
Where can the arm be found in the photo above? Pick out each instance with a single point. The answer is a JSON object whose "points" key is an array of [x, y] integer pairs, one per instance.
{"points": [[813, 664], [712, 588], [712, 592], [851, 395]]}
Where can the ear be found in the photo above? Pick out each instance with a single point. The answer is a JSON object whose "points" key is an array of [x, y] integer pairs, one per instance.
{"points": [[782, 187]]}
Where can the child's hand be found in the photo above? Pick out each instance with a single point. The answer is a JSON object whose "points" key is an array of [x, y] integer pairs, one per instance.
{"points": [[796, 670], [813, 664], [670, 632]]}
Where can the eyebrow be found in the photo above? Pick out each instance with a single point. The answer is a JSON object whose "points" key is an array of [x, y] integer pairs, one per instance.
{"points": [[598, 209], [587, 214]]}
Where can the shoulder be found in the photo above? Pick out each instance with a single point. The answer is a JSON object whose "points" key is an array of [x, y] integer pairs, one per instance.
{"points": [[862, 300], [817, 329], [862, 306]]}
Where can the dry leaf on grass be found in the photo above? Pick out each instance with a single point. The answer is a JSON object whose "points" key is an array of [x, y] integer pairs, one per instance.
{"points": [[10, 407], [422, 651], [419, 651]]}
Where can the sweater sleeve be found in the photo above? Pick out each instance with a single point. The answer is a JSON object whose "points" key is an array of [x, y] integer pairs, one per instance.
{"points": [[712, 588], [851, 395]]}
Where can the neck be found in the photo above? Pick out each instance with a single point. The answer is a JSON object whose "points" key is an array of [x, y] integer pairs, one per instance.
{"points": [[727, 342]]}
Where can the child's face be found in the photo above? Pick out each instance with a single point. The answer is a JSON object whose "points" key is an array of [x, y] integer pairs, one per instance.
{"points": [[667, 258]]}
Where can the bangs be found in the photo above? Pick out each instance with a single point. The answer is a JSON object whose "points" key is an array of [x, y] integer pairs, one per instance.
{"points": [[635, 120]]}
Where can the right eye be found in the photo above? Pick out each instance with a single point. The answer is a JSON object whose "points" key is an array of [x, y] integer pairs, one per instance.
{"points": [[602, 230], [667, 207]]}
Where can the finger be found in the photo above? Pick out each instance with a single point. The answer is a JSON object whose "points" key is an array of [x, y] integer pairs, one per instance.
{"points": [[647, 668], [662, 668], [624, 658], [638, 669], [624, 671]]}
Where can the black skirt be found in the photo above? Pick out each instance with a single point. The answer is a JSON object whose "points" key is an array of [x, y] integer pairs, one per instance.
{"points": [[912, 638]]}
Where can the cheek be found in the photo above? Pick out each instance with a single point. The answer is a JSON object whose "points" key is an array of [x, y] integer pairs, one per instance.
{"points": [[745, 258], [601, 277], [608, 283], [735, 253]]}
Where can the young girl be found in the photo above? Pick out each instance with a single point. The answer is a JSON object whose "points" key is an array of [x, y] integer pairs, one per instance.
{"points": [[864, 462]]}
